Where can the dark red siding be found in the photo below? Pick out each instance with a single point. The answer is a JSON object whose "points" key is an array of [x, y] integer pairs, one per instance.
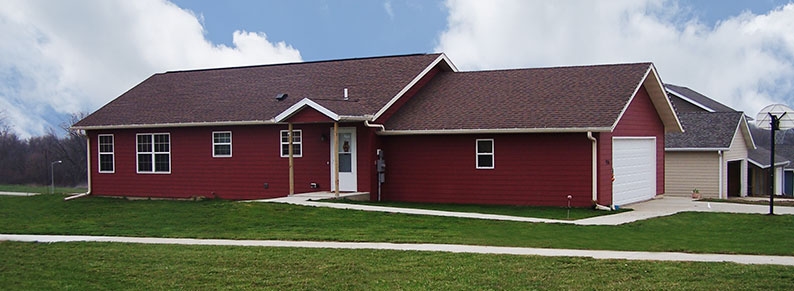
{"points": [[642, 119], [530, 169], [308, 115], [194, 172]]}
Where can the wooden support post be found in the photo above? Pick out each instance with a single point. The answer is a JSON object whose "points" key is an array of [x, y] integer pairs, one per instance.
{"points": [[336, 159], [291, 161]]}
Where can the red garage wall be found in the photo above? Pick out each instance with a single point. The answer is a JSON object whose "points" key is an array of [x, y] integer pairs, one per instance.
{"points": [[530, 169], [642, 119], [194, 172]]}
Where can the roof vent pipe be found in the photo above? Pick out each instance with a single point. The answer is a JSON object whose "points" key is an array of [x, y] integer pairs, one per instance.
{"points": [[346, 94], [281, 96]]}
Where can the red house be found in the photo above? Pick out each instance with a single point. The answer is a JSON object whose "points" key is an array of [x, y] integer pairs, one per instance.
{"points": [[522, 137]]}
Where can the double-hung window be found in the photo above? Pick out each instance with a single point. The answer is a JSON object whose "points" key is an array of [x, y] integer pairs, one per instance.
{"points": [[297, 143], [106, 156], [154, 153], [222, 144], [485, 154]]}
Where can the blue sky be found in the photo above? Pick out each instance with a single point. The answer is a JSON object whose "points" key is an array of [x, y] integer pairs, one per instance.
{"points": [[59, 57], [325, 30]]}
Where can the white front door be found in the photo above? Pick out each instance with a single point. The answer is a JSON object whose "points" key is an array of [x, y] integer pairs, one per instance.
{"points": [[347, 159]]}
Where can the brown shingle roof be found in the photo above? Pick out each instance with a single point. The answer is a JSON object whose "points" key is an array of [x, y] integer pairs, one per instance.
{"points": [[245, 94], [544, 98]]}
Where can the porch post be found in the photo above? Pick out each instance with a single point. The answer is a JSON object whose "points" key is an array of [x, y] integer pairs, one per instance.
{"points": [[336, 159], [291, 162]]}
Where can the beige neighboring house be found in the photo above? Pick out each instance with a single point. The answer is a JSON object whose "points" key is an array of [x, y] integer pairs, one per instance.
{"points": [[713, 154]]}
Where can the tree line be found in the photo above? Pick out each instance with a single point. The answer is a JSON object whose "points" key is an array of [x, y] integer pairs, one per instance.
{"points": [[29, 161]]}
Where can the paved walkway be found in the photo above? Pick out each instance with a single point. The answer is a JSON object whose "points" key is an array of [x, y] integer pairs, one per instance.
{"points": [[17, 194], [643, 210], [596, 254]]}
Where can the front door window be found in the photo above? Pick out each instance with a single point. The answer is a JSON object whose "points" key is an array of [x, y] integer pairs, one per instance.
{"points": [[345, 155]]}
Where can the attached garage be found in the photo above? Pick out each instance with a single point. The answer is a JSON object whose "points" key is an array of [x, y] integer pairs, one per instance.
{"points": [[634, 164]]}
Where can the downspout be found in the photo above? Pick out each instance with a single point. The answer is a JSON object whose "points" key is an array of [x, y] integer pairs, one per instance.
{"points": [[720, 153], [382, 128], [88, 163], [594, 165]]}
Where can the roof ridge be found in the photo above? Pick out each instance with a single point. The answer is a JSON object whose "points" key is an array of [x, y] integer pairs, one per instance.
{"points": [[296, 63], [559, 67]]}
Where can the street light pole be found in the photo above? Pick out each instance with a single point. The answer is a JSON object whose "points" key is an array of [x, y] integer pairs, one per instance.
{"points": [[52, 175]]}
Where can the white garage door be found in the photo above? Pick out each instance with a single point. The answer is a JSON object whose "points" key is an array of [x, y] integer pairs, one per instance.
{"points": [[634, 162]]}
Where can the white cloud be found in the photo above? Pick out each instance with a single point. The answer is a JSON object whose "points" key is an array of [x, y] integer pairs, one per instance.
{"points": [[60, 57], [388, 8], [746, 61]]}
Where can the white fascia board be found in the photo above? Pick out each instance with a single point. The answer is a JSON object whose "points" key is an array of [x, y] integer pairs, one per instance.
{"points": [[180, 124], [651, 72], [695, 149], [764, 166], [303, 103], [493, 131], [687, 99], [442, 57], [746, 132]]}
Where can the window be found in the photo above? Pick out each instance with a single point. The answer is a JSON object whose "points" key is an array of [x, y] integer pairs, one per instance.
{"points": [[297, 147], [222, 144], [154, 153], [106, 158], [485, 154]]}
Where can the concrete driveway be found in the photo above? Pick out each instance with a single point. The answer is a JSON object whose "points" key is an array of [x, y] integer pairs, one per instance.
{"points": [[663, 206]]}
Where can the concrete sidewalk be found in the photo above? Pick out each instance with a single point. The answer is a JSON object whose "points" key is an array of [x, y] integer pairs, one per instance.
{"points": [[3, 193], [596, 254], [644, 210]]}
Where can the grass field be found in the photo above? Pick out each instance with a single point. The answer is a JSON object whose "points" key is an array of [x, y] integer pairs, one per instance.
{"points": [[109, 266], [559, 213], [686, 232]]}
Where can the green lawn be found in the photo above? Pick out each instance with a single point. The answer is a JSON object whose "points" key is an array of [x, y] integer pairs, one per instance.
{"points": [[687, 232], [114, 266], [559, 213]]}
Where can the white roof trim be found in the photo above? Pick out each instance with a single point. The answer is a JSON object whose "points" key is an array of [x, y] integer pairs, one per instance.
{"points": [[442, 57], [687, 99], [179, 124], [658, 82], [764, 166], [493, 131], [747, 133], [295, 108], [695, 149]]}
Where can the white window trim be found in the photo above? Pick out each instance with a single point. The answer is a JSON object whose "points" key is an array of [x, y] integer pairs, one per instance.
{"points": [[112, 153], [282, 143], [214, 155], [153, 153], [477, 154]]}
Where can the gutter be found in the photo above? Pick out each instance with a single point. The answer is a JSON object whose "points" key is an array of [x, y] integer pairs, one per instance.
{"points": [[88, 163], [374, 125]]}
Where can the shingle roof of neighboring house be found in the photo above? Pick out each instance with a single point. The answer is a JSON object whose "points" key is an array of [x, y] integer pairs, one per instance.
{"points": [[578, 98], [246, 94], [760, 157], [786, 151], [705, 130], [697, 99]]}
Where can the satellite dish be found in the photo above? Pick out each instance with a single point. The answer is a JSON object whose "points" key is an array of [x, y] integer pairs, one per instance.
{"points": [[783, 113]]}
